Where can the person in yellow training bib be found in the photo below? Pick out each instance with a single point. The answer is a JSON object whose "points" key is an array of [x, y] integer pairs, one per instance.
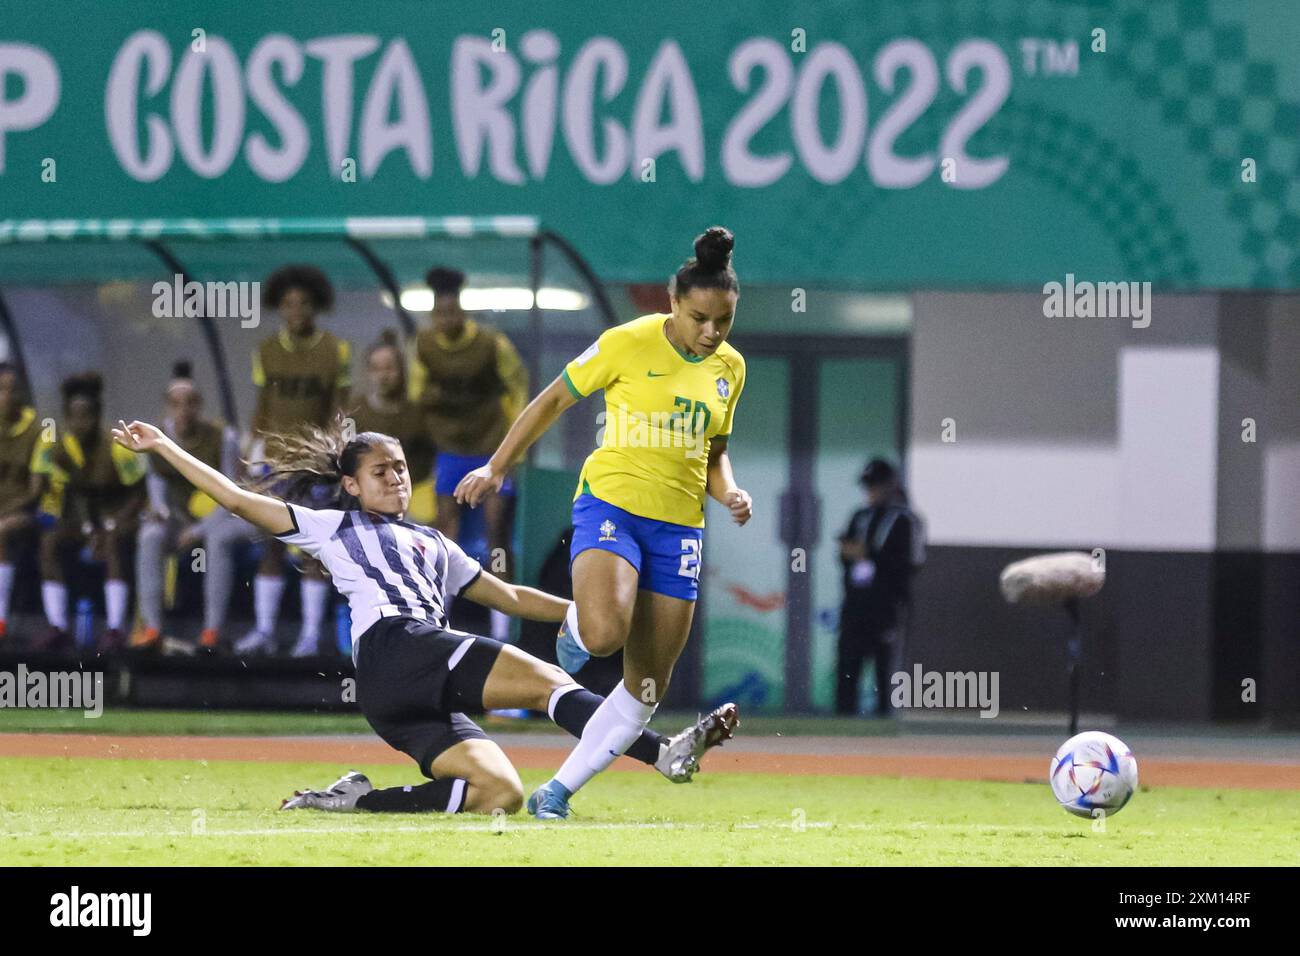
{"points": [[21, 431], [94, 491], [470, 383], [303, 376], [671, 386]]}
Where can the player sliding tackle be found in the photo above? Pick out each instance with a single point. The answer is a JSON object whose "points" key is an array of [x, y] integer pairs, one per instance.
{"points": [[416, 678], [671, 385]]}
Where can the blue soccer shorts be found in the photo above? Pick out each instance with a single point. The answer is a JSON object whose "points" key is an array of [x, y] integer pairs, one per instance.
{"points": [[452, 468], [665, 555]]}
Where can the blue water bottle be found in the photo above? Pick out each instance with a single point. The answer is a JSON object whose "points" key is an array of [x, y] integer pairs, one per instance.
{"points": [[343, 628], [85, 628]]}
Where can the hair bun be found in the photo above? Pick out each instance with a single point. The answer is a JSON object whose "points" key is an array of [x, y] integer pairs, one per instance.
{"points": [[713, 248], [183, 369]]}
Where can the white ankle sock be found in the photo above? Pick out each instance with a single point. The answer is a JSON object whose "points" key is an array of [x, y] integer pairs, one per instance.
{"points": [[314, 594], [610, 731], [54, 597], [267, 592], [6, 588], [116, 595], [571, 623]]}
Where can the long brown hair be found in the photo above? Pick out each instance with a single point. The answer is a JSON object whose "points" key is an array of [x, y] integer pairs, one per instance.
{"points": [[307, 465]]}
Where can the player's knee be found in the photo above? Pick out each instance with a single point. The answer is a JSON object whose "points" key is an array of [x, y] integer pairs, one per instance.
{"points": [[493, 792], [510, 800], [602, 636], [551, 679]]}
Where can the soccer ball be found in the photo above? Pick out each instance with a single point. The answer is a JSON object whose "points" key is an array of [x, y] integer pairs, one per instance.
{"points": [[1093, 774]]}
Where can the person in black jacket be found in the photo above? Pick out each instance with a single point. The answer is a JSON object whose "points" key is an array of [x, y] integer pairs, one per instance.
{"points": [[880, 549]]}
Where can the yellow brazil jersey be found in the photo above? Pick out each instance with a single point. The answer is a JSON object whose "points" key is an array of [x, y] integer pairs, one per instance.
{"points": [[101, 478], [662, 409]]}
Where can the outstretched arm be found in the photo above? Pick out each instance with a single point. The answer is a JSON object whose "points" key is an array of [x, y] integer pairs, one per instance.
{"points": [[269, 514], [531, 424], [515, 599]]}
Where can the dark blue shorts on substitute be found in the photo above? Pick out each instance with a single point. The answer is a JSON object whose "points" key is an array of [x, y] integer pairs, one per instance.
{"points": [[667, 556], [452, 468]]}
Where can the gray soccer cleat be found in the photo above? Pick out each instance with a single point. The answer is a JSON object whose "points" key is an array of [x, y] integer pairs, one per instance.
{"points": [[679, 757], [341, 797]]}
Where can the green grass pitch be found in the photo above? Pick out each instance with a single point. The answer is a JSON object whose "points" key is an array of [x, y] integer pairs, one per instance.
{"points": [[139, 812]]}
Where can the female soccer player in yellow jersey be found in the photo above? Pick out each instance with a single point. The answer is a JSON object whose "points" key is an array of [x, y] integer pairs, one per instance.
{"points": [[671, 385]]}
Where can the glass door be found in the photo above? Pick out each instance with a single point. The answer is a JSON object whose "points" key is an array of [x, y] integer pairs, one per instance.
{"points": [[859, 413], [813, 413], [743, 600]]}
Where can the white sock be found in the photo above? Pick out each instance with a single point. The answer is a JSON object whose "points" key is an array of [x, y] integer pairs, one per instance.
{"points": [[6, 588], [116, 594], [54, 596], [500, 626], [557, 694], [610, 731], [267, 592], [571, 624], [314, 595]]}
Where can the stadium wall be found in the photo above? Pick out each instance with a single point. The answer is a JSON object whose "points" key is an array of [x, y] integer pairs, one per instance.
{"points": [[1089, 433]]}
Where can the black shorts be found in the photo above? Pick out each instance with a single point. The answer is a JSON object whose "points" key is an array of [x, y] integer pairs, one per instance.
{"points": [[415, 684]]}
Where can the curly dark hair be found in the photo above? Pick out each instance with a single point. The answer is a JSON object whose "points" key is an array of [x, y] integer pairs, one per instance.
{"points": [[10, 368], [445, 281], [87, 385], [299, 276]]}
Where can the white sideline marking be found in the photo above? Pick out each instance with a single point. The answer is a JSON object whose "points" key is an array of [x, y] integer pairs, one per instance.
{"points": [[532, 826]]}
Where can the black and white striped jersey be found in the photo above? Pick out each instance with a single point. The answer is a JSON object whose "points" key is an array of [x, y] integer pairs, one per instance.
{"points": [[384, 566]]}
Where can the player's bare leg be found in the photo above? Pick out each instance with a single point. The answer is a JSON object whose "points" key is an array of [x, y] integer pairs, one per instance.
{"points": [[472, 776], [660, 628], [491, 780], [662, 624], [519, 680], [604, 595]]}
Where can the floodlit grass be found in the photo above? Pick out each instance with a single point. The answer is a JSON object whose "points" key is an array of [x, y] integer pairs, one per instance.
{"points": [[141, 812]]}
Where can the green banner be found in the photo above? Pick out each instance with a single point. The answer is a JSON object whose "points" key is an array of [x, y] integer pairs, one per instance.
{"points": [[990, 143]]}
